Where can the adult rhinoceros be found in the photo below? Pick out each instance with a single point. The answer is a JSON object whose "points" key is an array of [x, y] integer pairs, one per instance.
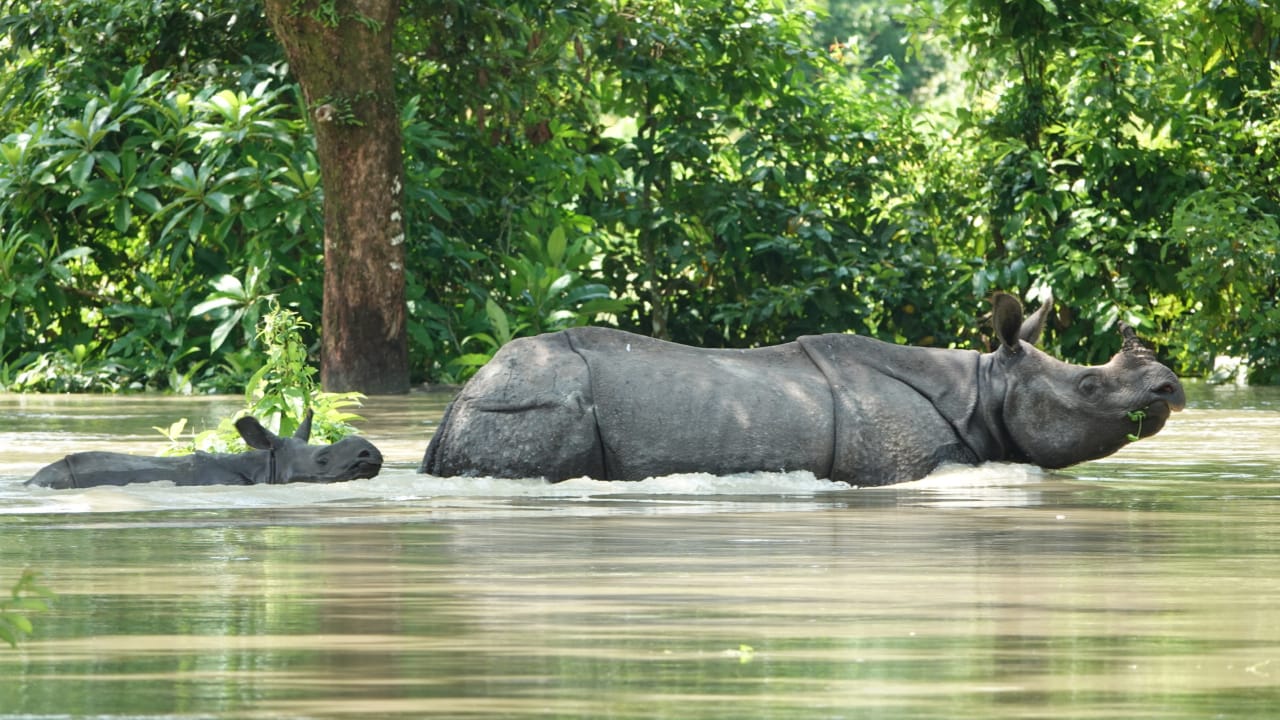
{"points": [[275, 460], [613, 405]]}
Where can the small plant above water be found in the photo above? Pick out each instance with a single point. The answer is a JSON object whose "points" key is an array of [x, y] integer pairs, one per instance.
{"points": [[26, 598], [278, 395]]}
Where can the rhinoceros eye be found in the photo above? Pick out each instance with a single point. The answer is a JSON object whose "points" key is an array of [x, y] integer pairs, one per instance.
{"points": [[1089, 385]]}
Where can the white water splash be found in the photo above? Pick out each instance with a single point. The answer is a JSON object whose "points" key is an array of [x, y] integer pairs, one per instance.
{"points": [[400, 490]]}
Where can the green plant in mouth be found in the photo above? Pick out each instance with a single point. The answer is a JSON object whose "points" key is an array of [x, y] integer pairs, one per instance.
{"points": [[1136, 416]]}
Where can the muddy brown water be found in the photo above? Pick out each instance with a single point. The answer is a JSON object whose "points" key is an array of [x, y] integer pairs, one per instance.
{"points": [[1145, 585]]}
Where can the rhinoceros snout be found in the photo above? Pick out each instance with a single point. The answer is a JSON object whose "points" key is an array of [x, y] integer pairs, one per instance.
{"points": [[1172, 394], [367, 464], [1166, 398]]}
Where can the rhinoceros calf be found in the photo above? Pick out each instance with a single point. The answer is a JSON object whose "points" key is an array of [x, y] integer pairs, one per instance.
{"points": [[612, 405], [275, 460]]}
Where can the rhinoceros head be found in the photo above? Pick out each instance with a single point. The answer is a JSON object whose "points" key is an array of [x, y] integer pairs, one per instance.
{"points": [[291, 459], [1059, 414]]}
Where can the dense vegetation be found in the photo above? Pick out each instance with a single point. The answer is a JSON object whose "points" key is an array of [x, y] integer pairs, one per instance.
{"points": [[714, 173]]}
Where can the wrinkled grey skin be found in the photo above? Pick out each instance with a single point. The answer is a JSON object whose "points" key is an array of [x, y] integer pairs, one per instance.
{"points": [[611, 405], [275, 460]]}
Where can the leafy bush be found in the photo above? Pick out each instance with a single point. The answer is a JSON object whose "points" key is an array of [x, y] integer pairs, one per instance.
{"points": [[704, 172], [116, 214], [279, 395], [1124, 157]]}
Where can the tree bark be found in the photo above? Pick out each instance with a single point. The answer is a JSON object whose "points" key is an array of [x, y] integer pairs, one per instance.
{"points": [[340, 51]]}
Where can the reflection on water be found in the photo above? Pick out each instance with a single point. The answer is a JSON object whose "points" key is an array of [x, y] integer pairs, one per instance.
{"points": [[1143, 585]]}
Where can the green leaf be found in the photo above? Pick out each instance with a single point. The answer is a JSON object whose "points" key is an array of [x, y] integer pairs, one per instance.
{"points": [[219, 201], [185, 176], [471, 360], [560, 283], [109, 161], [123, 215], [80, 251], [196, 224], [223, 330], [556, 246], [81, 168], [177, 217], [95, 192], [174, 430], [601, 306], [214, 303], [21, 623], [229, 284], [498, 320], [147, 201]]}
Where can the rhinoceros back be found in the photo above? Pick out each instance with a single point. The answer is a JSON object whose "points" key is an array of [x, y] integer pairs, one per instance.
{"points": [[608, 404], [664, 408], [91, 469], [899, 411], [527, 413]]}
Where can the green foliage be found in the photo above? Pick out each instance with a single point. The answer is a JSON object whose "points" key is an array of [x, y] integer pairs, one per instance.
{"points": [[722, 174], [726, 176], [1123, 155], [279, 394], [125, 190], [25, 599], [867, 33], [234, 304]]}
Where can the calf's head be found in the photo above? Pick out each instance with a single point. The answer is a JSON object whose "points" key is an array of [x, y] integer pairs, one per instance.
{"points": [[1059, 414], [291, 459]]}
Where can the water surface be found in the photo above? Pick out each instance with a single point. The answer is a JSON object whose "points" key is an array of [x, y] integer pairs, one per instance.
{"points": [[1141, 586]]}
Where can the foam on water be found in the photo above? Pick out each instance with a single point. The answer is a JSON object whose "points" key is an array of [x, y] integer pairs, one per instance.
{"points": [[396, 486], [401, 488], [994, 474]]}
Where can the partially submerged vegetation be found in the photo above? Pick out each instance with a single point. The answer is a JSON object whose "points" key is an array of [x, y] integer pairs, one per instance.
{"points": [[279, 395], [27, 598]]}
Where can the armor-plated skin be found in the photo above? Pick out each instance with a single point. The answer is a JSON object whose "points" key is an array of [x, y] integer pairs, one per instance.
{"points": [[274, 460], [612, 405]]}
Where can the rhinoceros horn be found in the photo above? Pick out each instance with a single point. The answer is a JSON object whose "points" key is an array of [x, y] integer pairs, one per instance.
{"points": [[1133, 345]]}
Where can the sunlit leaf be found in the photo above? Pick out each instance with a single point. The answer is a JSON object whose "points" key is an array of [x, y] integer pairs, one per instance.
{"points": [[219, 201], [556, 245], [81, 168]]}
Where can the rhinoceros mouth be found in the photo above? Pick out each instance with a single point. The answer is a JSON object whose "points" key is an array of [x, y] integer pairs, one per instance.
{"points": [[361, 470], [1150, 419], [365, 470]]}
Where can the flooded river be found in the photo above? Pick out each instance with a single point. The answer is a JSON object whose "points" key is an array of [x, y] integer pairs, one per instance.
{"points": [[1145, 585]]}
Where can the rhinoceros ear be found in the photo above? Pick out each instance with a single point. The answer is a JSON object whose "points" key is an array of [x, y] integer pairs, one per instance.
{"points": [[1006, 318], [303, 432], [256, 436], [1033, 326]]}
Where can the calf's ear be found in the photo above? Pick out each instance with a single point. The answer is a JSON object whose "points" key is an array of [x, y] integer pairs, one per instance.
{"points": [[1006, 318], [1033, 326], [303, 432], [255, 435]]}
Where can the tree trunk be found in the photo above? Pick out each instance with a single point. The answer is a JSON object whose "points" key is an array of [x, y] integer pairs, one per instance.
{"points": [[341, 53]]}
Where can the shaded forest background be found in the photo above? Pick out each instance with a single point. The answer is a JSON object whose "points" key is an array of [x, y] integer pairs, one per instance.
{"points": [[714, 173]]}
